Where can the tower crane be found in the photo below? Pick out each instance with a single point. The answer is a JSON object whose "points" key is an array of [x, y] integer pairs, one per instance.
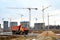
{"points": [[25, 8], [43, 9], [54, 19]]}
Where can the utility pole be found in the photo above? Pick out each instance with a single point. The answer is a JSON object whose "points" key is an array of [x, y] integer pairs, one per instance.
{"points": [[43, 13]]}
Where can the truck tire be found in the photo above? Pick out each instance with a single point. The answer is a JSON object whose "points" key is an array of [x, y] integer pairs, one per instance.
{"points": [[26, 32], [18, 32], [13, 32]]}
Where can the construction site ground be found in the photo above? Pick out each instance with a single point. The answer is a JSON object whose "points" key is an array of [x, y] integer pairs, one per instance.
{"points": [[46, 35]]}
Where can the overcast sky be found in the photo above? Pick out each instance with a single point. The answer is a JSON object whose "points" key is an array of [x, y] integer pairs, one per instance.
{"points": [[14, 14]]}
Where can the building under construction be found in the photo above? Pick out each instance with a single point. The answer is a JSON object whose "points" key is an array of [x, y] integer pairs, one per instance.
{"points": [[5, 25], [25, 24], [38, 26], [13, 24]]}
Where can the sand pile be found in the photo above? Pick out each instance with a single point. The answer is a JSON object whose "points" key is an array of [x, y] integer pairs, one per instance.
{"points": [[49, 33], [46, 38]]}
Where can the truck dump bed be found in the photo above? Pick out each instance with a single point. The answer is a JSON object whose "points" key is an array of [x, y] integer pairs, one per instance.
{"points": [[14, 27]]}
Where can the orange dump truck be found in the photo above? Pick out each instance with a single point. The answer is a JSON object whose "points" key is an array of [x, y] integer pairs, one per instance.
{"points": [[19, 30]]}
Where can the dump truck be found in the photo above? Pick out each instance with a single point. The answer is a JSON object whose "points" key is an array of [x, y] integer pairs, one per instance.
{"points": [[19, 30]]}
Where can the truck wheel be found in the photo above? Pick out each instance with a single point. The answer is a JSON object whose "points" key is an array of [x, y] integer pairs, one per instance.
{"points": [[22, 33], [13, 32], [17, 32], [26, 32]]}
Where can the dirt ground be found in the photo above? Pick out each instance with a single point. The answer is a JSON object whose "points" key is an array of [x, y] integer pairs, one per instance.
{"points": [[26, 38], [16, 37], [46, 35]]}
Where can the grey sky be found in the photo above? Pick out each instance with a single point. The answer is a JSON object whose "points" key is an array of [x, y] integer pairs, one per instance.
{"points": [[14, 13]]}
